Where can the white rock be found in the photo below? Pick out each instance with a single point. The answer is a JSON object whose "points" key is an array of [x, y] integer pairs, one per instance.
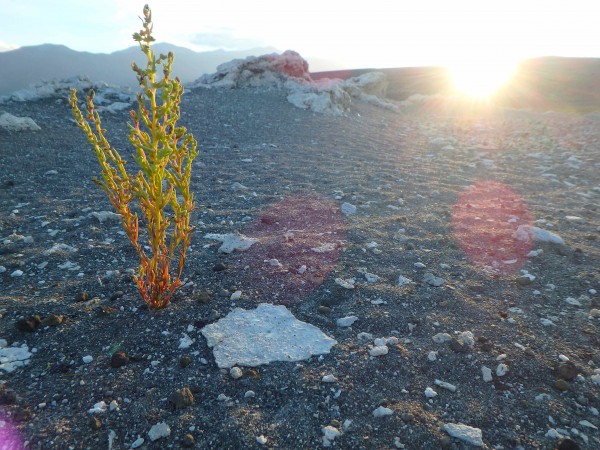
{"points": [[443, 384], [587, 424], [465, 433], [235, 373], [430, 393], [231, 242], [432, 356], [268, 333], [17, 273], [572, 301], [419, 265], [12, 358], [137, 443], [553, 434], [325, 248], [103, 216], [348, 208], [98, 408], [467, 338], [529, 233], [2, 269], [14, 123], [261, 440], [501, 370], [238, 187], [113, 406], [547, 322], [346, 284], [236, 295], [328, 379], [223, 398], [371, 278], [487, 374], [87, 359], [60, 247], [432, 280], [402, 280], [378, 350], [440, 338], [345, 322], [563, 358], [249, 394], [160, 430], [382, 411], [185, 341], [380, 341], [329, 435], [363, 337]]}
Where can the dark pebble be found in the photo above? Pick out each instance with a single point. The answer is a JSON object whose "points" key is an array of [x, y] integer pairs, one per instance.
{"points": [[7, 396], [203, 297], [267, 220], [117, 295], [324, 309], [95, 423], [30, 324], [219, 267], [188, 441], [185, 361], [458, 347], [567, 371], [118, 359], [567, 444], [182, 398], [53, 320], [82, 297], [561, 385]]}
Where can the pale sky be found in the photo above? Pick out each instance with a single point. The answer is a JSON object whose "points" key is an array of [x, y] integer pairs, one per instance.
{"points": [[377, 33]]}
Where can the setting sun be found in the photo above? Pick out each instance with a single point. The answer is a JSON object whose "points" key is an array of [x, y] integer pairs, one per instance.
{"points": [[481, 78]]}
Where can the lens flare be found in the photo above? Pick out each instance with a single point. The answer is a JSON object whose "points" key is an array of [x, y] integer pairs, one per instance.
{"points": [[485, 219], [483, 77], [9, 436]]}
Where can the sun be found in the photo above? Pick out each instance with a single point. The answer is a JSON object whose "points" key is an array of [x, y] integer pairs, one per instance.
{"points": [[483, 77]]}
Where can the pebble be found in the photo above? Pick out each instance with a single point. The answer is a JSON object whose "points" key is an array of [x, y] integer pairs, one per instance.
{"points": [[547, 322], [185, 341], [185, 361], [236, 295], [567, 444], [348, 208], [443, 384], [235, 373], [158, 431], [561, 385], [465, 433], [17, 273], [378, 350], [87, 359], [402, 280], [487, 374], [329, 435], [250, 394], [595, 313], [137, 443], [430, 393], [382, 411], [181, 398], [219, 267], [345, 322], [501, 370], [371, 278], [188, 441], [346, 284], [98, 408], [567, 371], [432, 280], [95, 423], [441, 338], [261, 440], [113, 406], [432, 356], [324, 309], [328, 379]]}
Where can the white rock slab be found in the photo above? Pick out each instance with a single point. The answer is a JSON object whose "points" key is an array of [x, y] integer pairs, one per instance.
{"points": [[160, 430], [14, 123], [232, 242], [268, 333], [465, 433], [13, 357], [529, 233], [382, 411]]}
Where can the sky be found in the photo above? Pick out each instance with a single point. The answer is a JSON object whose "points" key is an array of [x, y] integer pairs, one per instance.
{"points": [[378, 33]]}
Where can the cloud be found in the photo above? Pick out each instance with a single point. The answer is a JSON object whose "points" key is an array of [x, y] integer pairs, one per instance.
{"points": [[225, 40], [4, 47]]}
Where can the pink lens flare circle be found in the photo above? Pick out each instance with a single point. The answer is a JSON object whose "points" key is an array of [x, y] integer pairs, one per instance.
{"points": [[9, 436], [485, 218]]}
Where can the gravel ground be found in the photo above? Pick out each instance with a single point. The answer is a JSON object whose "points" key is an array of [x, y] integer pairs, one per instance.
{"points": [[439, 192]]}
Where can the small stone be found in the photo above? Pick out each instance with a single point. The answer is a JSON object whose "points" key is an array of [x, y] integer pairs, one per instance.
{"points": [[219, 267], [113, 406], [348, 208], [95, 423], [250, 394], [345, 322], [203, 297], [595, 313], [465, 433], [567, 371], [328, 379], [445, 385], [160, 430], [82, 297], [402, 280], [379, 350], [137, 443], [501, 370], [430, 393], [346, 284], [324, 309], [236, 295], [17, 273], [382, 411], [261, 440], [329, 435], [188, 440], [30, 324], [118, 359], [182, 398], [486, 374], [87, 359], [561, 385], [432, 280], [441, 338], [525, 280], [235, 373], [116, 295], [185, 361], [566, 443]]}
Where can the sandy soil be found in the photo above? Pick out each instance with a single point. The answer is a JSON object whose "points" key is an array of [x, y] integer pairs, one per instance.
{"points": [[438, 190]]}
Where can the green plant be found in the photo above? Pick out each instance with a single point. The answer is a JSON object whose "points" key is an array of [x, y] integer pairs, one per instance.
{"points": [[164, 154]]}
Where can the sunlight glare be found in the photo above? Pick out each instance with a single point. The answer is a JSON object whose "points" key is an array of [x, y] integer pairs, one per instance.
{"points": [[483, 77]]}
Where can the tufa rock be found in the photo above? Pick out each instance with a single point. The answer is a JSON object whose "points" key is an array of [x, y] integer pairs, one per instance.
{"points": [[181, 398], [29, 324], [567, 371], [118, 359]]}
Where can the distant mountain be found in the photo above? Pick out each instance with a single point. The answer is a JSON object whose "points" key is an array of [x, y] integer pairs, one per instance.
{"points": [[26, 65], [546, 83]]}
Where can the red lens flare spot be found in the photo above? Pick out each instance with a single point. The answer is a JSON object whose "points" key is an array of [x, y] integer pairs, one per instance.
{"points": [[485, 218], [300, 240]]}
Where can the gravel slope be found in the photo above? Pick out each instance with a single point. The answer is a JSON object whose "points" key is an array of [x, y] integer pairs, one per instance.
{"points": [[438, 190]]}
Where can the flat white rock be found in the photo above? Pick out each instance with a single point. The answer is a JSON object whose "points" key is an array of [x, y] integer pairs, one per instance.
{"points": [[445, 385], [262, 335], [348, 208], [185, 341], [346, 284], [345, 322], [379, 350], [402, 280], [465, 433], [137, 443], [486, 372], [382, 411], [430, 393], [98, 408], [231, 242], [14, 123], [13, 357], [440, 338], [329, 435], [529, 233], [160, 430]]}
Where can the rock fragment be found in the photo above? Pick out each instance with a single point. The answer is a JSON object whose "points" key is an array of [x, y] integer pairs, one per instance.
{"points": [[465, 433]]}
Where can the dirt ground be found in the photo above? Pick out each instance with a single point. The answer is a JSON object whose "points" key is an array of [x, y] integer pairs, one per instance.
{"points": [[440, 192]]}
